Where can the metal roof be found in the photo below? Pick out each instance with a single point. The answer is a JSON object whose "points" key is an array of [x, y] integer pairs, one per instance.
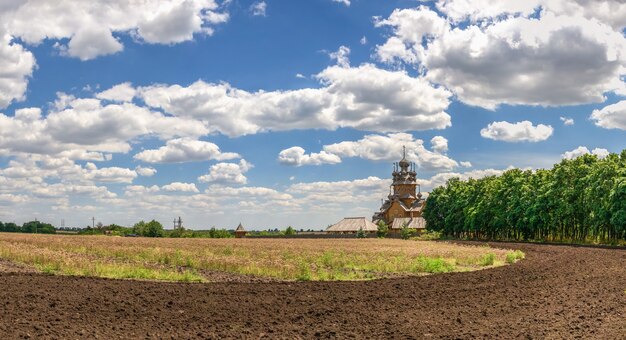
{"points": [[411, 222], [352, 224]]}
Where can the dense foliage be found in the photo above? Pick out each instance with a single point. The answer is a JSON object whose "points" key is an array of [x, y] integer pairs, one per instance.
{"points": [[150, 229], [578, 200], [34, 227]]}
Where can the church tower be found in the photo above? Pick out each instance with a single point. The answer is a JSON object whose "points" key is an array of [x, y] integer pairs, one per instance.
{"points": [[404, 204]]}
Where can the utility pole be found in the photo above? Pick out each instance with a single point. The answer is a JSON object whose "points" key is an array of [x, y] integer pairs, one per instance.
{"points": [[93, 225]]}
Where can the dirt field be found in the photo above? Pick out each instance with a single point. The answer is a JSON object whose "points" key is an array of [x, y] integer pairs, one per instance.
{"points": [[558, 292]]}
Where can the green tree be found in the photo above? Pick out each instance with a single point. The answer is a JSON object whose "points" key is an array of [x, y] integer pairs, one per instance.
{"points": [[290, 231], [382, 230], [154, 229], [406, 233], [140, 228], [361, 233]]}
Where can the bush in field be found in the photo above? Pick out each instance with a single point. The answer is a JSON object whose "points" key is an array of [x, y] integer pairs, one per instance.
{"points": [[406, 233], [290, 231], [514, 256], [150, 229], [361, 233], [429, 236], [38, 227], [488, 259], [219, 233], [383, 229]]}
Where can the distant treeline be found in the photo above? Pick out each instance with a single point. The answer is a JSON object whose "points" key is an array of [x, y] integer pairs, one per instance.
{"points": [[28, 227], [579, 200]]}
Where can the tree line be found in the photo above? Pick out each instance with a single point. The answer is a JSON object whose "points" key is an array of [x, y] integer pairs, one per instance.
{"points": [[578, 200], [34, 227]]}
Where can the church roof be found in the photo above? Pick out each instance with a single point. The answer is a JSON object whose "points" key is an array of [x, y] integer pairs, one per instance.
{"points": [[411, 222], [352, 224], [240, 228]]}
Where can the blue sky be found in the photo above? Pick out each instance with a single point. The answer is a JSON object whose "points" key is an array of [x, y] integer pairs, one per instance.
{"points": [[276, 113]]}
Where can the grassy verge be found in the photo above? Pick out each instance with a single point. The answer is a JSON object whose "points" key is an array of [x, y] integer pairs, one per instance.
{"points": [[283, 259]]}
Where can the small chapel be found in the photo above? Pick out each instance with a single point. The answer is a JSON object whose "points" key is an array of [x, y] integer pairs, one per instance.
{"points": [[404, 204]]}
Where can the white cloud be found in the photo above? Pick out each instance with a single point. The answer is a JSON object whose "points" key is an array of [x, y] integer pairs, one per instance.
{"points": [[16, 66], [439, 144], [523, 131], [183, 150], [582, 150], [363, 40], [364, 98], [342, 56], [611, 116], [123, 92], [227, 173], [296, 156], [300, 76], [110, 174], [609, 11], [516, 60], [258, 8], [389, 148], [145, 171], [441, 178], [91, 42], [567, 121], [466, 164], [345, 2], [180, 187], [89, 25], [85, 129]]}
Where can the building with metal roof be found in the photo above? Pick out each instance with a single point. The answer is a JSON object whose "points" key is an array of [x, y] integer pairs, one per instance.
{"points": [[352, 225]]}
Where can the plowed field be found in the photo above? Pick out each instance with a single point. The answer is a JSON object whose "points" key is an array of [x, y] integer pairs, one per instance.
{"points": [[557, 292]]}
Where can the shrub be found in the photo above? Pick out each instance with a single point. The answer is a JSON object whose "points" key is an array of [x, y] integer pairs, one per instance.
{"points": [[488, 259], [290, 231], [406, 233], [432, 265], [383, 229], [361, 233], [429, 236], [514, 256]]}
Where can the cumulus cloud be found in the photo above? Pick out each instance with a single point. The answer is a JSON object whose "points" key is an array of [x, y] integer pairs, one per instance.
{"points": [[582, 150], [345, 2], [145, 171], [523, 131], [342, 56], [87, 29], [89, 25], [567, 121], [296, 156], [441, 178], [388, 148], [514, 56], [258, 8], [16, 67], [110, 174], [180, 187], [183, 150], [611, 116], [123, 92], [364, 98], [232, 173], [84, 128], [439, 144]]}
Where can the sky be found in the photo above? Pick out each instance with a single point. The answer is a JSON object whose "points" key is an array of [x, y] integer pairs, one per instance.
{"points": [[275, 113]]}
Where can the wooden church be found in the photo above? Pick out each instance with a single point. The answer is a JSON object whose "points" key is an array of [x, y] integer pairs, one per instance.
{"points": [[404, 204]]}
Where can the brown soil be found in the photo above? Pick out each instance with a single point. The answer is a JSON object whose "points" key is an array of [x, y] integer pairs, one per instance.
{"points": [[558, 292]]}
